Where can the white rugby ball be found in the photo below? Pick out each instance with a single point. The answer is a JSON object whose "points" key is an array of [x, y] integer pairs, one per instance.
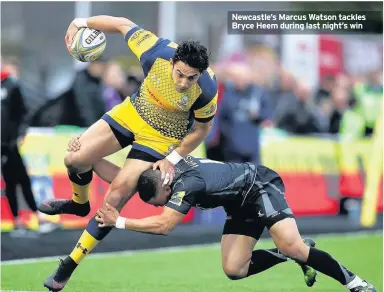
{"points": [[88, 44]]}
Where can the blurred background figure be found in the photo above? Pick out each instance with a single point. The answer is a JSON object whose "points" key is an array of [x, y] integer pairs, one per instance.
{"points": [[369, 99], [81, 104], [244, 106], [115, 85], [13, 129], [297, 114]]}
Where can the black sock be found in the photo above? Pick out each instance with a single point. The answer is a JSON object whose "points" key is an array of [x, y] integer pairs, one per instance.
{"points": [[70, 263], [81, 179], [263, 259], [81, 186], [97, 232], [325, 263]]}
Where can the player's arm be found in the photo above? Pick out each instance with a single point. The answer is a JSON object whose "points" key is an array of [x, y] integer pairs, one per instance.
{"points": [[160, 224], [105, 23], [204, 113], [204, 110], [182, 199], [190, 142], [138, 39], [197, 136]]}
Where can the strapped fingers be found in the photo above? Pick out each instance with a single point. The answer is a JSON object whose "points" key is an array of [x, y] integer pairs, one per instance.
{"points": [[166, 179]]}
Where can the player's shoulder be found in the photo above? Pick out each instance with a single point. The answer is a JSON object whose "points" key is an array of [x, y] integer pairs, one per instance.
{"points": [[207, 83], [164, 49], [157, 48], [189, 179]]}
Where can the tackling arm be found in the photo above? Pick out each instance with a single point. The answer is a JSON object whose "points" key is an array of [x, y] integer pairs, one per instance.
{"points": [[161, 224]]}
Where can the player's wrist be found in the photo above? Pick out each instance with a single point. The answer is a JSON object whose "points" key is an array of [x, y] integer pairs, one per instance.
{"points": [[80, 22], [120, 222], [174, 157]]}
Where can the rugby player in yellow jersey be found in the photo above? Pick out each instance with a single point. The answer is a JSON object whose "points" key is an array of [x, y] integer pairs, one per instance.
{"points": [[166, 119]]}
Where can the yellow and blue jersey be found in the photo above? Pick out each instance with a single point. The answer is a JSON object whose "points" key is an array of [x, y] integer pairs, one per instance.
{"points": [[157, 115]]}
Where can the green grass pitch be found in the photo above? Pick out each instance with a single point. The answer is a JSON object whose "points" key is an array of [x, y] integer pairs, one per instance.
{"points": [[198, 269]]}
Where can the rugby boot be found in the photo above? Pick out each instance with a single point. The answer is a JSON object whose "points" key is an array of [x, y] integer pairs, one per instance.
{"points": [[54, 207], [58, 280], [364, 287]]}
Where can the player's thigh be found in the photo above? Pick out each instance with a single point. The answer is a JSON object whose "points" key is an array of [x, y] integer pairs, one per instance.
{"points": [[124, 185], [97, 141], [288, 240], [240, 235], [279, 218]]}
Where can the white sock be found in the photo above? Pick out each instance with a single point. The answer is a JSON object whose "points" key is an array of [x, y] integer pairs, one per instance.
{"points": [[355, 282]]}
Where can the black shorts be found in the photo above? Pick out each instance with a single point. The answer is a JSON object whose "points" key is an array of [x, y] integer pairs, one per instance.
{"points": [[125, 141], [266, 206]]}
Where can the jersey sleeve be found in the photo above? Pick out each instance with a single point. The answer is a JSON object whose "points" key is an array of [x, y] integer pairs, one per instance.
{"points": [[205, 107], [185, 193], [141, 41]]}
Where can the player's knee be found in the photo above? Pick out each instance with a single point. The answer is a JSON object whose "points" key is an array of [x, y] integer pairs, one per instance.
{"points": [[71, 161], [234, 271]]}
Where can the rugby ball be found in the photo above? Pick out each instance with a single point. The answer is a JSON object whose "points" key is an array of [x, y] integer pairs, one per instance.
{"points": [[88, 44]]}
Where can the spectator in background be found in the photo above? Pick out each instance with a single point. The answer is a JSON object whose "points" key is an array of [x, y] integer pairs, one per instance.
{"points": [[214, 141], [114, 86], [297, 115], [284, 90], [134, 78], [243, 108], [343, 81], [340, 100], [325, 89], [81, 105], [369, 99], [13, 130], [87, 91]]}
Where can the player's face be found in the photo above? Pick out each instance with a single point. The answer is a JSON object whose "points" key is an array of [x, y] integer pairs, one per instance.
{"points": [[184, 76], [162, 198]]}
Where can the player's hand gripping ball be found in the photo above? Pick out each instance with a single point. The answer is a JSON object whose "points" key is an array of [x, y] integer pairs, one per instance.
{"points": [[88, 44]]}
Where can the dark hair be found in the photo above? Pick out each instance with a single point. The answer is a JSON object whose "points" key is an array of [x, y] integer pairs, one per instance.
{"points": [[193, 54], [149, 184]]}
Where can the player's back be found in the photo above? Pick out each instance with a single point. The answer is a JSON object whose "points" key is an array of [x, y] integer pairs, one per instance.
{"points": [[225, 183]]}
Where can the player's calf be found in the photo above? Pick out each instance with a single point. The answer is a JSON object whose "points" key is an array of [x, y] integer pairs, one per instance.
{"points": [[287, 239]]}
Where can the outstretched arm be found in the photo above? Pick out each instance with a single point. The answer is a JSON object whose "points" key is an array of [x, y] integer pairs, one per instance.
{"points": [[161, 224], [104, 23], [108, 23]]}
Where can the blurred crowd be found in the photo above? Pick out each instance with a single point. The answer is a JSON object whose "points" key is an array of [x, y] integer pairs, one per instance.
{"points": [[255, 93], [94, 91]]}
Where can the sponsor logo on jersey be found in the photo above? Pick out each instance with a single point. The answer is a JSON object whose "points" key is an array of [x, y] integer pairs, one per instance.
{"points": [[177, 198], [183, 102], [211, 110]]}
